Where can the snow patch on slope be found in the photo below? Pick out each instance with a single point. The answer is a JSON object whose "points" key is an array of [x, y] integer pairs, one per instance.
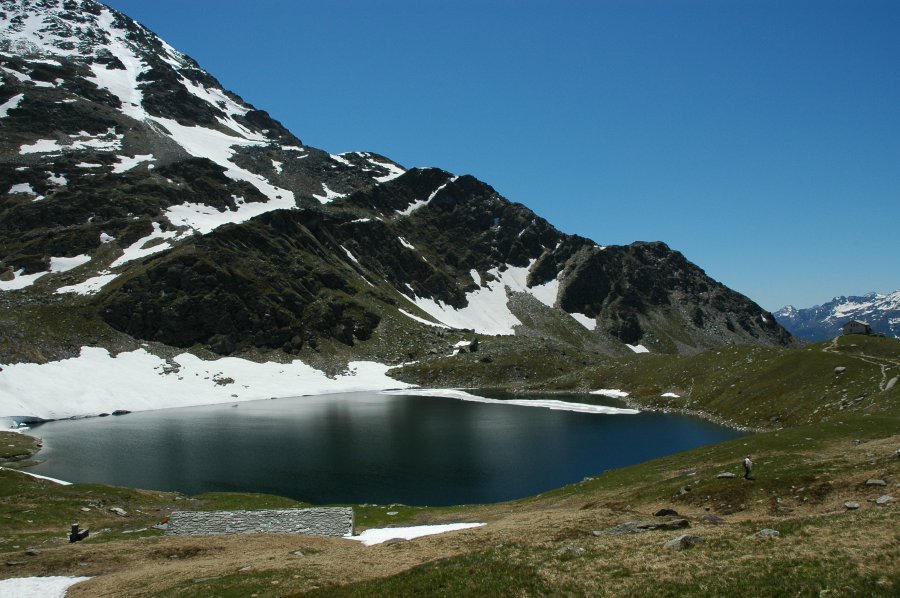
{"points": [[393, 170], [487, 311], [10, 104], [419, 203], [20, 280], [329, 195], [587, 322]]}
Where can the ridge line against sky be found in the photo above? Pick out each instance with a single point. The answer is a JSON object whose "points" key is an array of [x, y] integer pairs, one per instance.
{"points": [[761, 139]]}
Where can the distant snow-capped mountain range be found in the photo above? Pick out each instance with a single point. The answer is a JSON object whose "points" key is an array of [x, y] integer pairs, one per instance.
{"points": [[820, 322]]}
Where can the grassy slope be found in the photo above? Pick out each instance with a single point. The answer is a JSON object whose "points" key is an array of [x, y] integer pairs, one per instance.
{"points": [[544, 545]]}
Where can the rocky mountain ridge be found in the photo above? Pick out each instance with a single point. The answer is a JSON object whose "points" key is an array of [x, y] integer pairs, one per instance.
{"points": [[880, 310], [138, 189]]}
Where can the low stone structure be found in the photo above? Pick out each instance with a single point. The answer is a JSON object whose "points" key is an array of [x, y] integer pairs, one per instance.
{"points": [[320, 521]]}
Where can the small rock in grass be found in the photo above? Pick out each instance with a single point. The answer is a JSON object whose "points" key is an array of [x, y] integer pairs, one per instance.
{"points": [[768, 533], [636, 527], [666, 513], [713, 519], [572, 550], [727, 474], [876, 483], [392, 513], [32, 551], [684, 541], [118, 511], [883, 500], [851, 505], [85, 510]]}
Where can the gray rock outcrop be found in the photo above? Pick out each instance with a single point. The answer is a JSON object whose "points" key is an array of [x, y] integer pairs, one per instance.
{"points": [[321, 521]]}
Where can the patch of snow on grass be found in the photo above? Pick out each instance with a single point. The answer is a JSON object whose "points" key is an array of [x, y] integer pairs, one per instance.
{"points": [[126, 163], [340, 159], [10, 104], [422, 320], [22, 77], [137, 250], [277, 166], [612, 393], [64, 264], [670, 395], [413, 207], [20, 281], [424, 202], [638, 348], [104, 238], [407, 244], [57, 179], [25, 188], [41, 146], [38, 587], [96, 382], [589, 323], [329, 195], [370, 537], [90, 286], [350, 255], [109, 141], [393, 171]]}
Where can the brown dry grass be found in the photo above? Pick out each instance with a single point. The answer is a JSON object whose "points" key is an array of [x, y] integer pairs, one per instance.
{"points": [[546, 532]]}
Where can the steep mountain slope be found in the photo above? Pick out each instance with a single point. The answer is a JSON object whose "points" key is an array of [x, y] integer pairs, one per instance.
{"points": [[820, 322], [135, 188]]}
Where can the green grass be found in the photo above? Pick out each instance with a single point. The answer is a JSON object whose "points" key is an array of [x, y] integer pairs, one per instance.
{"points": [[236, 501], [16, 447], [234, 585], [755, 386], [498, 572], [784, 459]]}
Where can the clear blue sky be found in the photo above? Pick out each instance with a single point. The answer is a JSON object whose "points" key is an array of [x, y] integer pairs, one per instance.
{"points": [[759, 138]]}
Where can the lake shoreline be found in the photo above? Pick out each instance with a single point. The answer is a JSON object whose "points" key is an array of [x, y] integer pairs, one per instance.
{"points": [[407, 449], [633, 403]]}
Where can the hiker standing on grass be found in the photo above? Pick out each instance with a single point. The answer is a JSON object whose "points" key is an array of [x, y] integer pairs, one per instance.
{"points": [[748, 465]]}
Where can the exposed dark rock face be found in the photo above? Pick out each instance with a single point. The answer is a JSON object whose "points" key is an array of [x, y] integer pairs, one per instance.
{"points": [[628, 288], [274, 283]]}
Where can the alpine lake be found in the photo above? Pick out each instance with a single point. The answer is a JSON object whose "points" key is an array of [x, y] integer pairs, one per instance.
{"points": [[365, 447]]}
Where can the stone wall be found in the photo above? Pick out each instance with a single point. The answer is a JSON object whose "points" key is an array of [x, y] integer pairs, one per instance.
{"points": [[322, 521]]}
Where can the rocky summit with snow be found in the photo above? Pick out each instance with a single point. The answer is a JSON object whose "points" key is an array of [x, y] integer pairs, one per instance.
{"points": [[145, 208], [821, 322]]}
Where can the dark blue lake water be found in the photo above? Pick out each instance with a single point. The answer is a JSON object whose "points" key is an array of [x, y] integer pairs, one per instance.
{"points": [[364, 448]]}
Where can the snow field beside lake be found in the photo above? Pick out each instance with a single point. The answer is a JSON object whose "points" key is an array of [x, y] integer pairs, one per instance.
{"points": [[96, 382], [545, 403]]}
